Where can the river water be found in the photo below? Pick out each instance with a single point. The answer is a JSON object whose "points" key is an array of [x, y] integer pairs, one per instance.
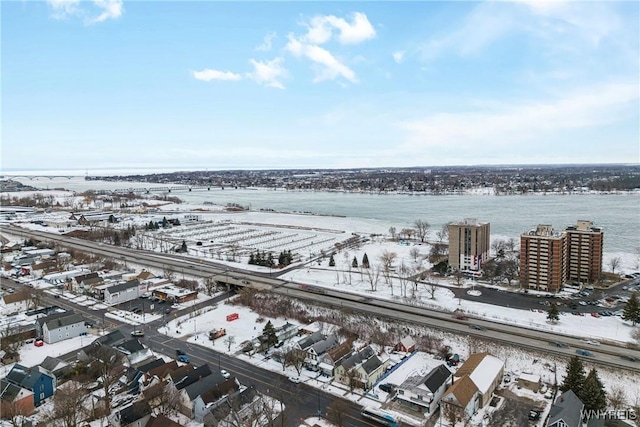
{"points": [[618, 214]]}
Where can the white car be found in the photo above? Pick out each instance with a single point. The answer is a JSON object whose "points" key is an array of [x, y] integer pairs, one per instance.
{"points": [[176, 306], [592, 342], [295, 380], [224, 373]]}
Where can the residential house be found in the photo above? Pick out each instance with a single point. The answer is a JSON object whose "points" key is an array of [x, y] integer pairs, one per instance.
{"points": [[136, 353], [162, 421], [137, 414], [34, 380], [15, 399], [43, 268], [58, 329], [122, 292], [406, 345], [422, 393], [328, 360], [317, 349], [145, 275], [16, 302], [190, 393], [474, 383], [111, 339], [206, 400], [462, 397], [236, 409], [55, 367], [363, 367], [566, 411], [86, 282], [175, 294]]}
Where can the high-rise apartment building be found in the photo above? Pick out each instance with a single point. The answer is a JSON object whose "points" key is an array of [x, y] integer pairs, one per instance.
{"points": [[543, 259], [584, 252], [468, 244]]}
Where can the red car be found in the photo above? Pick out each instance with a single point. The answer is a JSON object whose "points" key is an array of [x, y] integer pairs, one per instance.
{"points": [[38, 343]]}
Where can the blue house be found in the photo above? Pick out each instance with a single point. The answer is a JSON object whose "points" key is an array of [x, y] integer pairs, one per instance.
{"points": [[40, 383]]}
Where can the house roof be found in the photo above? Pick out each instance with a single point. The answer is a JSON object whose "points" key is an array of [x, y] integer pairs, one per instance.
{"points": [[463, 390], [131, 346], [322, 346], [25, 377], [123, 286], [407, 342], [482, 368], [349, 361], [203, 385], [438, 376], [371, 364], [134, 412], [41, 321], [310, 340], [162, 421], [567, 408], [161, 371], [53, 364], [176, 374], [192, 376], [145, 275], [82, 277], [16, 297], [111, 338], [154, 391], [9, 391], [214, 394], [69, 319], [340, 350], [151, 365], [238, 399]]}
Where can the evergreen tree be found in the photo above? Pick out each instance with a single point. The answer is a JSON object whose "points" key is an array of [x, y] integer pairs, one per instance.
{"points": [[354, 263], [270, 262], [151, 226], [183, 248], [116, 239], [165, 223], [574, 380], [282, 259], [332, 262], [251, 259], [365, 261], [289, 257], [269, 334], [593, 395], [258, 258], [632, 310], [176, 222], [552, 314]]}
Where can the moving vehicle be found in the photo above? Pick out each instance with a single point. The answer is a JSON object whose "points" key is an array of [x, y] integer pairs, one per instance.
{"points": [[630, 358], [559, 344], [225, 374], [182, 356], [478, 327], [380, 416], [583, 352], [137, 333]]}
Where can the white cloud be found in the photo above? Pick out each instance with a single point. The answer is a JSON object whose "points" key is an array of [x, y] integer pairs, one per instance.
{"points": [[108, 9], [209, 74], [494, 126], [268, 73], [320, 29], [398, 56], [111, 9], [265, 46], [61, 9], [329, 67]]}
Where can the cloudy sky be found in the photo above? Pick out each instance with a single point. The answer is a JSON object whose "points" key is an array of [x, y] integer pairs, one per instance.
{"points": [[238, 85]]}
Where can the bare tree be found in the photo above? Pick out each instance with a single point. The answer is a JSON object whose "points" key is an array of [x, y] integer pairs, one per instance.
{"points": [[353, 380], [105, 366], [443, 233], [452, 413], [414, 253], [614, 263], [229, 341], [297, 358], [373, 276], [169, 401], [387, 259], [210, 285], [432, 288], [422, 229], [68, 408], [404, 273], [617, 397], [392, 231]]}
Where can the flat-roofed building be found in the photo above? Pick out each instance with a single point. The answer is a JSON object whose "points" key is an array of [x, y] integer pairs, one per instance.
{"points": [[543, 259], [584, 252], [468, 244]]}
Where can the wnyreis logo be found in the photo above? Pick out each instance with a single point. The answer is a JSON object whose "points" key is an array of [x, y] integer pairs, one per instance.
{"points": [[609, 414]]}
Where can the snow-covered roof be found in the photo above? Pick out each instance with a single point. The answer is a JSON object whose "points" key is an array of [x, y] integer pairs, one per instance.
{"points": [[483, 369], [530, 377]]}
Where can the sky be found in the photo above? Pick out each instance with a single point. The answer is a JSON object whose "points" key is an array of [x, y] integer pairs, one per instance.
{"points": [[98, 84]]}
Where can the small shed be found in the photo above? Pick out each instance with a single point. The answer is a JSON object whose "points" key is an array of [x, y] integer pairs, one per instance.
{"points": [[406, 344], [529, 381]]}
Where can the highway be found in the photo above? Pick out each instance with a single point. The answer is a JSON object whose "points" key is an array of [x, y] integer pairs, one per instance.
{"points": [[606, 354]]}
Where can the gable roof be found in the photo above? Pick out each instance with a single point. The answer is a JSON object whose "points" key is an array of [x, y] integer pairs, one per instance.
{"points": [[482, 368], [238, 399], [25, 377], [192, 376], [111, 338], [88, 276], [162, 421], [53, 364], [134, 412], [349, 361], [438, 376], [131, 346], [322, 346], [203, 385], [151, 365], [310, 340], [161, 371], [59, 322], [371, 364], [567, 408], [9, 391], [218, 391], [463, 390], [407, 342], [16, 297], [123, 286], [340, 350], [41, 321], [144, 275]]}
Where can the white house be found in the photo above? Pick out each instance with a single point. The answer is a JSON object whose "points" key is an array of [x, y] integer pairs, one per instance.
{"points": [[422, 393], [70, 325], [122, 292]]}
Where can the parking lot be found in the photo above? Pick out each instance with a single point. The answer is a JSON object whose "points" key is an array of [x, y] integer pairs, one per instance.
{"points": [[150, 305]]}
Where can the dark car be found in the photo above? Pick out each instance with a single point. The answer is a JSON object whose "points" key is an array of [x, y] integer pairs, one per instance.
{"points": [[559, 344], [583, 352], [630, 358], [386, 387], [478, 327]]}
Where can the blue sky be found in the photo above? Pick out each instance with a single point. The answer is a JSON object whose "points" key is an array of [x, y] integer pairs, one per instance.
{"points": [[238, 85]]}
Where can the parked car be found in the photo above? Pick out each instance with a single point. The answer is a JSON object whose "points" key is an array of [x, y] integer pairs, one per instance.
{"points": [[182, 356], [591, 342], [386, 387], [38, 343], [224, 373], [295, 380]]}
